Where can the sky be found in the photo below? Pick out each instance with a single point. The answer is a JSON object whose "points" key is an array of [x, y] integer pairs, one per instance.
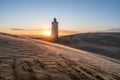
{"points": [[31, 16]]}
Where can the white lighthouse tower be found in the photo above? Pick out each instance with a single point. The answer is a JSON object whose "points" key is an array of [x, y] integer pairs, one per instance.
{"points": [[55, 30]]}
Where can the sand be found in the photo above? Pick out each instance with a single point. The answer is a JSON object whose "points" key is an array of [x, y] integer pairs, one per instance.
{"points": [[23, 58], [102, 43]]}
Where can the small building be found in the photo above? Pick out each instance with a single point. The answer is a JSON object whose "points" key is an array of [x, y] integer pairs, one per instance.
{"points": [[54, 30]]}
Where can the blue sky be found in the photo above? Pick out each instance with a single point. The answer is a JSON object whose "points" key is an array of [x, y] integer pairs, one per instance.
{"points": [[76, 15]]}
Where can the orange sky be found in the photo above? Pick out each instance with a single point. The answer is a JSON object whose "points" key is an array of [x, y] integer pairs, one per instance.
{"points": [[43, 32], [37, 32]]}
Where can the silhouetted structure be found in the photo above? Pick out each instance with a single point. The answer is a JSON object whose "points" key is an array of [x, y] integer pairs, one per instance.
{"points": [[54, 30]]}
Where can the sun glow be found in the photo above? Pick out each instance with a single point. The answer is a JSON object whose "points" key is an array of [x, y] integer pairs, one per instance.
{"points": [[46, 33]]}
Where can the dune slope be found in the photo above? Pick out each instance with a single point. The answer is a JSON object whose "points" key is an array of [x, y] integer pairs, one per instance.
{"points": [[106, 44], [28, 59]]}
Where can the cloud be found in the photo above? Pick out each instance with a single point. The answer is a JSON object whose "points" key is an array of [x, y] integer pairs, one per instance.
{"points": [[61, 32], [67, 32], [113, 30], [17, 29]]}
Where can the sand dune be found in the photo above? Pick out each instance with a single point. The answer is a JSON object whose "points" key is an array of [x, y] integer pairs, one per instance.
{"points": [[23, 58], [106, 44]]}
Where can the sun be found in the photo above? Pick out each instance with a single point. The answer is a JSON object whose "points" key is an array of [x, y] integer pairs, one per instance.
{"points": [[46, 33]]}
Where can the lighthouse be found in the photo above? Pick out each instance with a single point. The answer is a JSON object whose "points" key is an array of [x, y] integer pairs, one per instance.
{"points": [[54, 30]]}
